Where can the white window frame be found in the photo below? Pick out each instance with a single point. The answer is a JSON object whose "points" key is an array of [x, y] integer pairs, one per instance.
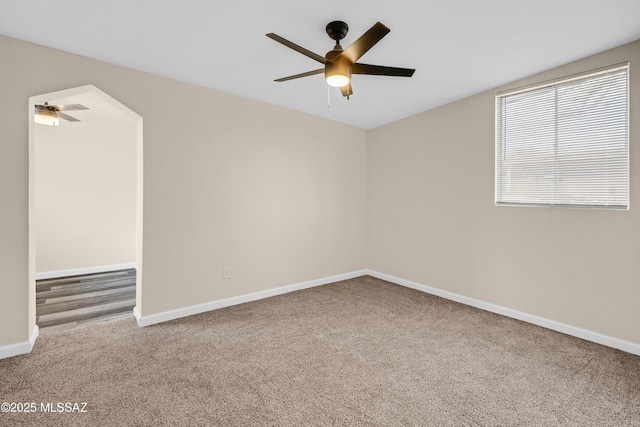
{"points": [[551, 197]]}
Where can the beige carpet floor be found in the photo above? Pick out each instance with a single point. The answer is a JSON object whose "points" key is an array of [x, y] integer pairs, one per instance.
{"points": [[357, 352]]}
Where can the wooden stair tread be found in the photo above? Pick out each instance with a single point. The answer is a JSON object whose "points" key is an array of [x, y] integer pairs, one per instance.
{"points": [[85, 313], [96, 300]]}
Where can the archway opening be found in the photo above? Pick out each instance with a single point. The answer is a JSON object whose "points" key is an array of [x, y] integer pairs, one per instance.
{"points": [[85, 206]]}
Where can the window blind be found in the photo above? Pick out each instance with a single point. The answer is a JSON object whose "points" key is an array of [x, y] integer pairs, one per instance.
{"points": [[565, 143]]}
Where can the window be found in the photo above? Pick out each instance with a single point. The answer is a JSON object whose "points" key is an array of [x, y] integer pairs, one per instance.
{"points": [[565, 143]]}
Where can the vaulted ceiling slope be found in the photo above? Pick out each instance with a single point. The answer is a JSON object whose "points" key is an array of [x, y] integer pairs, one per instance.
{"points": [[458, 47]]}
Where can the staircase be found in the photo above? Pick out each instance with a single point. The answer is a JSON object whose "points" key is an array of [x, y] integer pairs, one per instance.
{"points": [[67, 302]]}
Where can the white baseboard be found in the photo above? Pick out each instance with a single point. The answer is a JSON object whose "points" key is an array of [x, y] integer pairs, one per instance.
{"points": [[137, 315], [21, 347], [628, 346], [80, 271], [214, 305]]}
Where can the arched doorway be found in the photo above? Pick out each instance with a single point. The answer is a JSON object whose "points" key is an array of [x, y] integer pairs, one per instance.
{"points": [[76, 243]]}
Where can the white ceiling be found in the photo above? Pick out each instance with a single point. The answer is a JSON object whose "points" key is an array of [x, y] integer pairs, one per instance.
{"points": [[458, 47]]}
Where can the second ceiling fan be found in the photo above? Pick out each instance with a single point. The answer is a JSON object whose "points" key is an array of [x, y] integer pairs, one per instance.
{"points": [[339, 63]]}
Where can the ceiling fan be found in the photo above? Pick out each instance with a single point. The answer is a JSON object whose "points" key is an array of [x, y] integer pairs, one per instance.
{"points": [[340, 64], [50, 114]]}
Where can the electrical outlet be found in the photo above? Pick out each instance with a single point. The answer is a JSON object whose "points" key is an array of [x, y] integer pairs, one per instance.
{"points": [[226, 273]]}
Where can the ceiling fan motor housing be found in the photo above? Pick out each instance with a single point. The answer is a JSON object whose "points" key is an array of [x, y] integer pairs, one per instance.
{"points": [[337, 30]]}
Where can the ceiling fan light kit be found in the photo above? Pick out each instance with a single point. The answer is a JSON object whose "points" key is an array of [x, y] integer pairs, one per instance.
{"points": [[337, 74], [46, 117], [340, 64]]}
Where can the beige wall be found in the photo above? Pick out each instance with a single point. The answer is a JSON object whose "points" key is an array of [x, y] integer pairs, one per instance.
{"points": [[233, 182], [432, 219], [85, 194], [227, 182]]}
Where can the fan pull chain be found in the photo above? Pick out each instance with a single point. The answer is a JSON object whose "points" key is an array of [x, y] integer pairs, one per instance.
{"points": [[328, 96]]}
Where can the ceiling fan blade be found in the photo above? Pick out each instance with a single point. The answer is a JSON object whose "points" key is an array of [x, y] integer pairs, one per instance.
{"points": [[69, 107], [365, 42], [297, 76], [347, 90], [67, 117], [297, 48], [380, 70]]}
